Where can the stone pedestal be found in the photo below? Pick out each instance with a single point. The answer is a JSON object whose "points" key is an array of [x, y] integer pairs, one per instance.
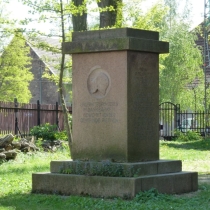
{"points": [[116, 94], [164, 175], [115, 117]]}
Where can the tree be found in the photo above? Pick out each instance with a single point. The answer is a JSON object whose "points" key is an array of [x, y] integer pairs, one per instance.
{"points": [[15, 74], [59, 12], [6, 26], [152, 19], [110, 13], [79, 17], [181, 75], [181, 78], [56, 11], [172, 11], [64, 13]]}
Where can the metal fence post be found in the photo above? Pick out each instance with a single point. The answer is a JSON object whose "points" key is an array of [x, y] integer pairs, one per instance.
{"points": [[38, 113], [16, 115], [56, 113]]}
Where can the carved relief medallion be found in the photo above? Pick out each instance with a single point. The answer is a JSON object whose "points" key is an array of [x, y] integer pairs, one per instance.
{"points": [[98, 82]]}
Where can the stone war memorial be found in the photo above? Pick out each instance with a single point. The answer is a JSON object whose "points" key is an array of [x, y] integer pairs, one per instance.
{"points": [[115, 151]]}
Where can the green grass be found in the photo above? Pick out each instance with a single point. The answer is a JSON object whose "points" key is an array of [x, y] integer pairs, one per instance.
{"points": [[195, 155], [15, 184]]}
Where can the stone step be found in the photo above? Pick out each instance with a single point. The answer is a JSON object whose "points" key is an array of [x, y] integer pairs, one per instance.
{"points": [[124, 187], [129, 169]]}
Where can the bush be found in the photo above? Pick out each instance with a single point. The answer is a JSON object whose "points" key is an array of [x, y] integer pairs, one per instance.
{"points": [[188, 136], [48, 132], [62, 135]]}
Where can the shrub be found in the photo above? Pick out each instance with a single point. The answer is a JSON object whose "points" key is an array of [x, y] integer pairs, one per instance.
{"points": [[48, 132], [62, 135], [188, 136]]}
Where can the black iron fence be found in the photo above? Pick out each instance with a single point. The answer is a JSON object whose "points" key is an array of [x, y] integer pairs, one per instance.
{"points": [[19, 118], [171, 118]]}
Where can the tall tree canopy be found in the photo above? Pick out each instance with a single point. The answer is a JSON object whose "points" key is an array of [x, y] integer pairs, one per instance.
{"points": [[182, 76], [178, 69], [14, 60], [161, 16], [15, 74], [181, 73]]}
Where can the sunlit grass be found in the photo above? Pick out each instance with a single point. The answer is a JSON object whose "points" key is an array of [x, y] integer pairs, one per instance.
{"points": [[15, 176], [15, 183], [195, 155]]}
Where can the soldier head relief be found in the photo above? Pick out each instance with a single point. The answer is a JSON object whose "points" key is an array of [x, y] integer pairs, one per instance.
{"points": [[98, 83]]}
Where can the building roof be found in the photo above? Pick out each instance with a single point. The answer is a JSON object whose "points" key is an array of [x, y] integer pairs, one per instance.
{"points": [[48, 49]]}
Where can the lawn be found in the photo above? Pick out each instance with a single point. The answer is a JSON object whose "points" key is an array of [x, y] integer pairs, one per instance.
{"points": [[15, 183], [195, 155]]}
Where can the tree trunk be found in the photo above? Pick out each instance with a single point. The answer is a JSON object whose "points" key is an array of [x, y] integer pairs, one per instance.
{"points": [[110, 18], [79, 19], [60, 84]]}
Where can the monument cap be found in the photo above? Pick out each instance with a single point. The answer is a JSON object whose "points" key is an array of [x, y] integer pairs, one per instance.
{"points": [[115, 40]]}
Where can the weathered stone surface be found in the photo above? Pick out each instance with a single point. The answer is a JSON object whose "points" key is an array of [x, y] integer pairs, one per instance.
{"points": [[116, 33], [114, 127], [116, 40], [118, 44], [124, 187], [131, 169], [4, 141], [114, 88]]}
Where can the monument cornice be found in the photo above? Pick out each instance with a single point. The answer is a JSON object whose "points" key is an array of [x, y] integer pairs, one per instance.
{"points": [[115, 40]]}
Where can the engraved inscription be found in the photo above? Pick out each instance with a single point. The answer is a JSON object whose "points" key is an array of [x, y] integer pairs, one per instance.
{"points": [[99, 112], [98, 82]]}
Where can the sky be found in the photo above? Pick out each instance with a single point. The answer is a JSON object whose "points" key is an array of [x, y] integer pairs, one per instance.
{"points": [[18, 11]]}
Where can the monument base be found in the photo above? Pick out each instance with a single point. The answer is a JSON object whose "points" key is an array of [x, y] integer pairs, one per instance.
{"points": [[168, 178]]}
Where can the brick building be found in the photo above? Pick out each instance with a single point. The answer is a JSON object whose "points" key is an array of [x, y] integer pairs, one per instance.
{"points": [[42, 89]]}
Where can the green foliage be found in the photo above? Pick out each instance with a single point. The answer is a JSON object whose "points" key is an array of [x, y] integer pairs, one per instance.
{"points": [[181, 73], [190, 135], [45, 132], [56, 12], [70, 119], [61, 135], [106, 168], [149, 195], [181, 68], [183, 65], [15, 74], [39, 144], [48, 132], [152, 19]]}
